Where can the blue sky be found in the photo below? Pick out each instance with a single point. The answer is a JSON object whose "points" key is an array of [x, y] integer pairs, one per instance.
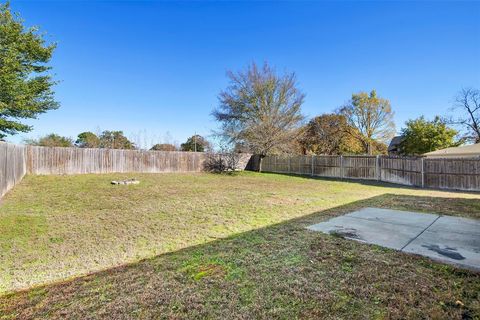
{"points": [[154, 69]]}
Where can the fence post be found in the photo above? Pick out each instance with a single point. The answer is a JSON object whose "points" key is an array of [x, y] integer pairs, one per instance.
{"points": [[289, 159], [6, 168], [341, 167], [423, 171], [193, 164], [377, 168], [313, 160], [14, 152]]}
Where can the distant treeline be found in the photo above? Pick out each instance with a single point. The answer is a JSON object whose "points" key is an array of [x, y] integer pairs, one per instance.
{"points": [[115, 140]]}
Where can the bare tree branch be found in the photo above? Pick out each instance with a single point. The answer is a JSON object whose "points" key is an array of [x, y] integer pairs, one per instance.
{"points": [[466, 109], [260, 110]]}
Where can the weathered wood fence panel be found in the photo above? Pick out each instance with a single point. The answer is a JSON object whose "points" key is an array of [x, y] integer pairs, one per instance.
{"points": [[12, 165], [327, 166], [461, 174], [406, 171], [300, 164], [453, 174], [359, 167], [44, 160]]}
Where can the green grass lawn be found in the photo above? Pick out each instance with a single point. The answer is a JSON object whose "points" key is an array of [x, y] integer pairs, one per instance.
{"points": [[217, 246]]}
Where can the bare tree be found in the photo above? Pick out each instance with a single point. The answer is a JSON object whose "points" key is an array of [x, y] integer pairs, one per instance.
{"points": [[467, 109], [260, 110], [371, 118]]}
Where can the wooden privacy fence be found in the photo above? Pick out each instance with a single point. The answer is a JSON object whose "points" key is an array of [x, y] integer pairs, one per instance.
{"points": [[445, 173], [12, 165], [43, 160], [17, 160]]}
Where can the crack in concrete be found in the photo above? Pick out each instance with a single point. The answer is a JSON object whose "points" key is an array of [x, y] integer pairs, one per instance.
{"points": [[418, 235]]}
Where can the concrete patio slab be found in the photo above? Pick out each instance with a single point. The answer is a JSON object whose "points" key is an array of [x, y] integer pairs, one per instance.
{"points": [[394, 236], [446, 239], [449, 247], [456, 224], [421, 220]]}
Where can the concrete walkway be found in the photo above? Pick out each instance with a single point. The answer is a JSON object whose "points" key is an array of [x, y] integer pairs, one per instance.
{"points": [[443, 238]]}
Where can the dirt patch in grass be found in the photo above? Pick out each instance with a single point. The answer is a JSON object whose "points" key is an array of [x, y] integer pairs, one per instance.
{"points": [[233, 253]]}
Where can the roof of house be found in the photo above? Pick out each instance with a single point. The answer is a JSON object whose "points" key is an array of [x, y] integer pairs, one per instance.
{"points": [[395, 143], [472, 150]]}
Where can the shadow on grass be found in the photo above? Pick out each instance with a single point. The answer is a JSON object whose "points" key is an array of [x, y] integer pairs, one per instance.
{"points": [[279, 271]]}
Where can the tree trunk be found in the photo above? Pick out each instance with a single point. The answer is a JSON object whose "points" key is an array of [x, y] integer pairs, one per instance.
{"points": [[260, 158]]}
